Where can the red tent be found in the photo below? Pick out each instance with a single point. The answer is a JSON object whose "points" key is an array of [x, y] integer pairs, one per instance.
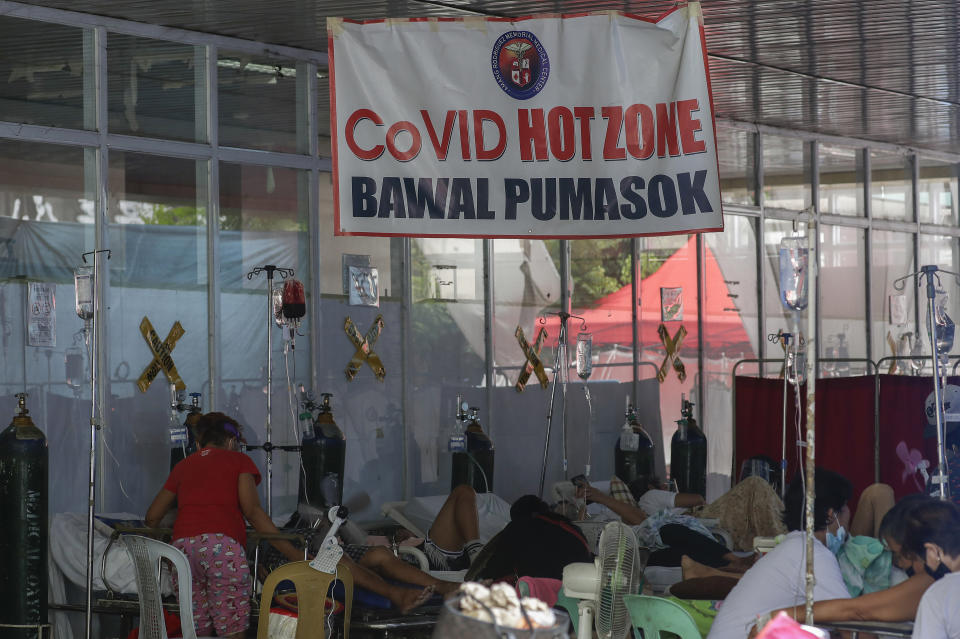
{"points": [[610, 320]]}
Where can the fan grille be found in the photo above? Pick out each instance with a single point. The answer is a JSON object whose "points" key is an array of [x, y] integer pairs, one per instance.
{"points": [[618, 577]]}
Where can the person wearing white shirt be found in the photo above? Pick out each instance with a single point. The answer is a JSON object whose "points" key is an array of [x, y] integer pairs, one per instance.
{"points": [[778, 579], [933, 534]]}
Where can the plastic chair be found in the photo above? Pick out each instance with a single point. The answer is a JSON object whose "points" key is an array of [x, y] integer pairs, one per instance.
{"points": [[655, 615], [571, 605], [312, 586], [146, 554]]}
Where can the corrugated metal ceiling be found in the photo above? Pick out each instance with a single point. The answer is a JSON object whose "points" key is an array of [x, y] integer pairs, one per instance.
{"points": [[881, 70]]}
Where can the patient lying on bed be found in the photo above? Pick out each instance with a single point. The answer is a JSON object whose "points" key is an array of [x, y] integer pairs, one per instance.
{"points": [[661, 524], [452, 544]]}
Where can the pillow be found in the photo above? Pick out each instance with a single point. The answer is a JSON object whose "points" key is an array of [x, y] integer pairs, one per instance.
{"points": [[621, 492]]}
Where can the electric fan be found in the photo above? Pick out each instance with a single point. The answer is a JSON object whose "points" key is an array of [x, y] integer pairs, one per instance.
{"points": [[601, 585]]}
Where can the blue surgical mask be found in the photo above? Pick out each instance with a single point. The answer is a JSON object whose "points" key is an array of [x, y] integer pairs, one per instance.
{"points": [[835, 540]]}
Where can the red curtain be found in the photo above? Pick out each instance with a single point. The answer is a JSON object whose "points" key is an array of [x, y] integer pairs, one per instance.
{"points": [[845, 427]]}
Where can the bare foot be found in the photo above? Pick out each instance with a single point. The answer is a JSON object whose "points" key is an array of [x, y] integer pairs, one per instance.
{"points": [[446, 588], [692, 569], [411, 598]]}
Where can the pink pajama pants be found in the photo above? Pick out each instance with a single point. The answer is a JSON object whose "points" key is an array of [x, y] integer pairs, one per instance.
{"points": [[221, 583]]}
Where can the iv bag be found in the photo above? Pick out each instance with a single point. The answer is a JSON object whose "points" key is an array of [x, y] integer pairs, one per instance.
{"points": [[289, 303], [793, 273], [83, 282], [943, 325], [294, 300], [584, 355], [278, 308]]}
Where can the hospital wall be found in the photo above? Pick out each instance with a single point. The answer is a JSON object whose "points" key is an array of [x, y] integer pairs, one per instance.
{"points": [[185, 226]]}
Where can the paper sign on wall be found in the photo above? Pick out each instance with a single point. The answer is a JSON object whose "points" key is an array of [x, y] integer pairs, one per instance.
{"points": [[589, 125], [42, 323]]}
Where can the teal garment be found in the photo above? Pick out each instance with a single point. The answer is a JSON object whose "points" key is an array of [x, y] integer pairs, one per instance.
{"points": [[865, 565]]}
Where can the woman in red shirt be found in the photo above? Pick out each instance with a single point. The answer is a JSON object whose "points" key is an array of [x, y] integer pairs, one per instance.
{"points": [[215, 490]]}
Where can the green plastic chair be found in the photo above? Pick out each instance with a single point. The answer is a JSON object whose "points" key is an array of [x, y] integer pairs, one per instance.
{"points": [[571, 606], [656, 615]]}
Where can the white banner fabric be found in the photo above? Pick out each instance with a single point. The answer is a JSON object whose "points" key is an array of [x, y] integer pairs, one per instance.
{"points": [[588, 125]]}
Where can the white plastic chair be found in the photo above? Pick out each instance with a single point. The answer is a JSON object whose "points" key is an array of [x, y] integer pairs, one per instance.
{"points": [[146, 554]]}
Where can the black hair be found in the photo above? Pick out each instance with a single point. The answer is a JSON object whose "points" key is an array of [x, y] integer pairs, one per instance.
{"points": [[642, 484], [832, 490], [216, 429], [893, 526], [527, 506], [935, 521]]}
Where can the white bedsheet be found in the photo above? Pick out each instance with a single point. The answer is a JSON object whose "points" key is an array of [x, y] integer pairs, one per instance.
{"points": [[68, 561]]}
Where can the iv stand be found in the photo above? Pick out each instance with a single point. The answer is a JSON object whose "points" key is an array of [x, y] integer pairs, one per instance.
{"points": [[268, 446], [789, 340], [560, 372], [930, 272], [95, 412]]}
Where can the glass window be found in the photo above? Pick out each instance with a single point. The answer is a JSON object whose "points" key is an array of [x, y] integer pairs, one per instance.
{"points": [[260, 103], [446, 353], [42, 74], [668, 297], [730, 332], [893, 312], [263, 220], [600, 270], [526, 284], [323, 111], [786, 173], [842, 305], [369, 412], [937, 192], [890, 186], [737, 166], [46, 215], [339, 252], [155, 88], [158, 280], [841, 179]]}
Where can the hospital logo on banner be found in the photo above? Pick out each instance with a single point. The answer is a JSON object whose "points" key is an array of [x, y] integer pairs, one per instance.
{"points": [[589, 125], [520, 64]]}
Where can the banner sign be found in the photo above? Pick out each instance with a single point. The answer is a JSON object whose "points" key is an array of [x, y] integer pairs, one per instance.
{"points": [[587, 125]]}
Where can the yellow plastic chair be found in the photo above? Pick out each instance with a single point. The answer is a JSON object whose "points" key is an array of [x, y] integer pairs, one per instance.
{"points": [[312, 586], [656, 615]]}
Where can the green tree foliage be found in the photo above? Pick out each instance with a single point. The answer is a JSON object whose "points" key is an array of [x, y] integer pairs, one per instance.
{"points": [[161, 214]]}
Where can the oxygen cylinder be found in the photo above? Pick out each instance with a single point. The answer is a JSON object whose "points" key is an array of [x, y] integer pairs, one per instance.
{"points": [[323, 453], [688, 454], [475, 466], [183, 441], [633, 454], [23, 535]]}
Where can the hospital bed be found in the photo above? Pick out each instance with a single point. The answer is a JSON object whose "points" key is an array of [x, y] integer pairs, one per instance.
{"points": [[114, 582], [660, 578]]}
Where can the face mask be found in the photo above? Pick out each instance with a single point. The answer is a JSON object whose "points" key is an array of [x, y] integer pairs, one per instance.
{"points": [[939, 573], [835, 540]]}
